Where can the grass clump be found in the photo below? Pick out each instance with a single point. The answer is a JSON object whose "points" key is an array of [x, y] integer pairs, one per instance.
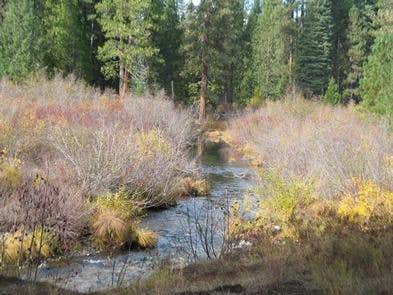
{"points": [[114, 225], [113, 222], [145, 238], [20, 246]]}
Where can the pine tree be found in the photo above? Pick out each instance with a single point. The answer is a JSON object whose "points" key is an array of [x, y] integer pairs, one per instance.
{"points": [[212, 48], [1, 10], [360, 40], [66, 38], [270, 47], [19, 40], [332, 95], [340, 43], [127, 45], [228, 40], [190, 49], [199, 51], [205, 14], [167, 37], [314, 48], [377, 84], [96, 39], [248, 83]]}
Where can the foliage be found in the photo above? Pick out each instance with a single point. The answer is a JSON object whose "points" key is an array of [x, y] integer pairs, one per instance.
{"points": [[113, 221], [10, 173], [65, 142], [198, 187], [93, 142], [257, 100], [126, 28], [166, 35], [314, 48], [360, 39], [270, 49], [332, 95], [66, 38], [19, 36], [150, 143], [376, 85], [222, 53], [37, 202]]}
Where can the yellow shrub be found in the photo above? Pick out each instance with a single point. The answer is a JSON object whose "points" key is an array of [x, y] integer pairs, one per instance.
{"points": [[370, 207], [191, 186], [356, 211], [27, 133], [293, 209], [286, 208], [10, 173], [20, 246], [285, 196], [152, 143]]}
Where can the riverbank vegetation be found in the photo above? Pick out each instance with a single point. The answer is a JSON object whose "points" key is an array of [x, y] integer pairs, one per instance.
{"points": [[325, 191], [98, 126], [75, 161], [310, 226]]}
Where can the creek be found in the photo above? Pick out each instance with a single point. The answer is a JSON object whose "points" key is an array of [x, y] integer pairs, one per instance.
{"points": [[179, 237]]}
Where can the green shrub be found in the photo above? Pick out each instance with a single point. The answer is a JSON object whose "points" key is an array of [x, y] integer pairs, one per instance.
{"points": [[332, 95]]}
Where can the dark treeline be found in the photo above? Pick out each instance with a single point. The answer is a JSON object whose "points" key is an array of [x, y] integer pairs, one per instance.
{"points": [[220, 51]]}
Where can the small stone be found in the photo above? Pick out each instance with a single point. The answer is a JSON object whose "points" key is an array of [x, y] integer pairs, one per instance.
{"points": [[276, 229]]}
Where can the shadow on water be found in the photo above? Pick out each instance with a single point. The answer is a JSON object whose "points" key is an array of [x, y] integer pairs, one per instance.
{"points": [[177, 233]]}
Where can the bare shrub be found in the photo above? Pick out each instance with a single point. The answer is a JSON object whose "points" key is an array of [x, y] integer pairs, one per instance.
{"points": [[85, 138], [39, 204], [308, 140]]}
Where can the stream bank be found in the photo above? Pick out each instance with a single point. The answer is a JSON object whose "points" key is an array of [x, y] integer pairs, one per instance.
{"points": [[178, 240]]}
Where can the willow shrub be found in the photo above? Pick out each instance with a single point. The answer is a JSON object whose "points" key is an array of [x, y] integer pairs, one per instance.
{"points": [[80, 143], [324, 199], [311, 141]]}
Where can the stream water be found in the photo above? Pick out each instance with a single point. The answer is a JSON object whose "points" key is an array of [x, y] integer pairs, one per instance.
{"points": [[177, 230]]}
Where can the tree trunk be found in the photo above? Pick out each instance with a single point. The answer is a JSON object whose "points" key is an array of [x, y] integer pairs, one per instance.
{"points": [[203, 92], [121, 78], [204, 69], [123, 83]]}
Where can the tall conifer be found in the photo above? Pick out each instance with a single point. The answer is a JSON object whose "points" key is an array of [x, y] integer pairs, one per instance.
{"points": [[314, 48]]}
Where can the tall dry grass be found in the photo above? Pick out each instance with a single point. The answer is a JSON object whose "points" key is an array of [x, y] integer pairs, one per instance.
{"points": [[311, 141]]}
